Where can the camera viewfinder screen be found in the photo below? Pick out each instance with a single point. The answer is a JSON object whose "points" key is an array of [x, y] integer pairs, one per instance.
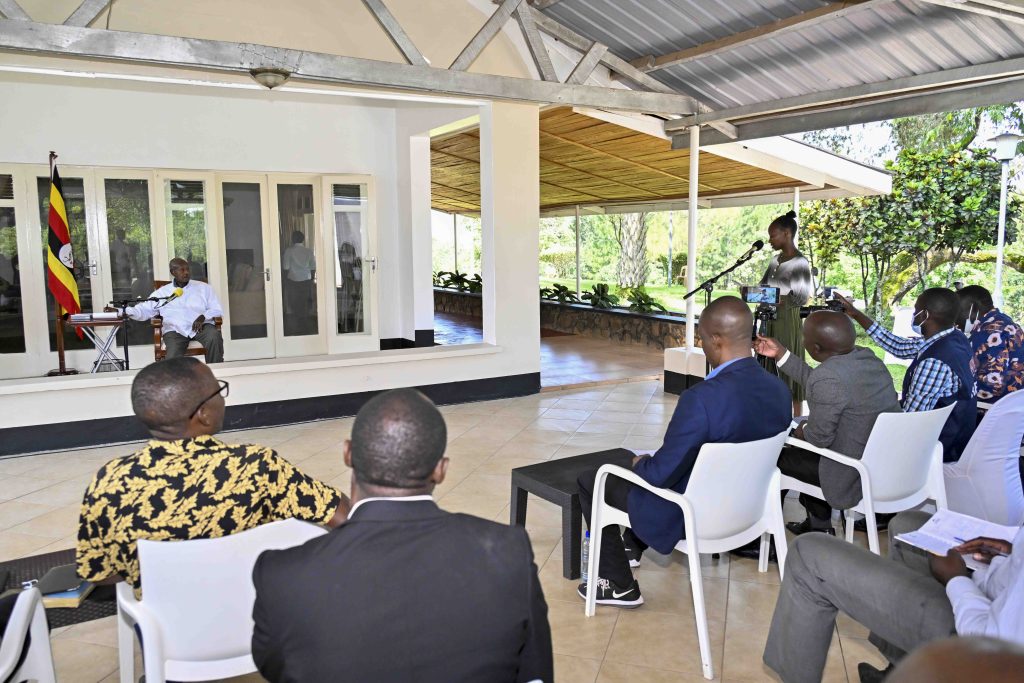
{"points": [[761, 295]]}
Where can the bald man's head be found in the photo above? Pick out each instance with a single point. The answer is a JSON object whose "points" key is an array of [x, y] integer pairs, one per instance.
{"points": [[725, 329], [979, 660], [180, 271], [829, 333]]}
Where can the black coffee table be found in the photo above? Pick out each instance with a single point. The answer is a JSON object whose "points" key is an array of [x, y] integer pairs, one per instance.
{"points": [[555, 481]]}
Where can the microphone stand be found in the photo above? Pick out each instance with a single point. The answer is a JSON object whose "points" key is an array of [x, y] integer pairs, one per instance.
{"points": [[708, 285], [123, 304]]}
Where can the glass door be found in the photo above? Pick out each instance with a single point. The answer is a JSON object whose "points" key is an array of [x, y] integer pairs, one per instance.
{"points": [[13, 347], [249, 322], [297, 262], [353, 247]]}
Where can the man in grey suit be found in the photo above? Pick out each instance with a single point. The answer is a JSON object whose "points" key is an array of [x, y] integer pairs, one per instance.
{"points": [[846, 393]]}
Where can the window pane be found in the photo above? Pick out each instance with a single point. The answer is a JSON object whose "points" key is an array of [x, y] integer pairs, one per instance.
{"points": [[297, 229], [74, 205], [348, 264], [131, 247], [186, 223], [6, 186], [12, 321], [243, 235]]}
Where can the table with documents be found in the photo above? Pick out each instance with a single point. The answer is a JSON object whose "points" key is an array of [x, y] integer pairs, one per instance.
{"points": [[102, 329]]}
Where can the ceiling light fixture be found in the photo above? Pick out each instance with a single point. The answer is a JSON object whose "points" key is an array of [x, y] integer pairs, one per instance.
{"points": [[270, 77]]}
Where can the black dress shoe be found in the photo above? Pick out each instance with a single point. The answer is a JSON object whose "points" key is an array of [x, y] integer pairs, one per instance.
{"points": [[881, 522], [752, 551], [869, 674], [807, 526]]}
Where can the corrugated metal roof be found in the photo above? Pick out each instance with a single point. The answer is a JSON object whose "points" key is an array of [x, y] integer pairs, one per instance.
{"points": [[870, 45]]}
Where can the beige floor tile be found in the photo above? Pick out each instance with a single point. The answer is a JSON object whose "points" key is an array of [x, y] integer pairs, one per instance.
{"points": [[616, 672], [53, 525], [556, 425], [13, 545], [850, 628], [78, 661], [661, 640], [65, 493], [17, 486], [667, 592], [752, 603], [597, 425], [573, 633], [518, 449], [15, 512], [743, 569], [532, 435], [10, 467], [97, 632], [576, 669], [634, 407]]}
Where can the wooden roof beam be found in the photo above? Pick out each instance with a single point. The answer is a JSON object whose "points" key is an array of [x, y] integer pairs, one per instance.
{"points": [[12, 10], [1004, 10]]}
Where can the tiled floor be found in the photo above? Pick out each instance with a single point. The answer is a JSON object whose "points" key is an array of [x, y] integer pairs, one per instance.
{"points": [[656, 642], [567, 360]]}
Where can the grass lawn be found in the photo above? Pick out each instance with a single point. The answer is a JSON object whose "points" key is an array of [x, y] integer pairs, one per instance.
{"points": [[671, 296]]}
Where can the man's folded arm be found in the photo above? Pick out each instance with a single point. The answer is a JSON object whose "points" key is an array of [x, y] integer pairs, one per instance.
{"points": [[686, 433]]}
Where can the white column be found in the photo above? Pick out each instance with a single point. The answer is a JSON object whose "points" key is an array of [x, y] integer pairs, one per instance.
{"points": [[422, 238], [796, 202], [691, 235], [997, 296], [577, 250], [510, 201]]}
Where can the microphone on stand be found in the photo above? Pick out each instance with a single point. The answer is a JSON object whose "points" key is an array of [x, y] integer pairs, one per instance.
{"points": [[754, 248], [168, 299]]}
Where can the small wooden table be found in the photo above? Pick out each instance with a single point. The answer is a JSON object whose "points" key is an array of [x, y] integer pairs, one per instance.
{"points": [[555, 482]]}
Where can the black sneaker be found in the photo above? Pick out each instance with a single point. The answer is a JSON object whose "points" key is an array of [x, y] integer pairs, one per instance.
{"points": [[609, 593], [633, 555], [869, 674], [807, 526]]}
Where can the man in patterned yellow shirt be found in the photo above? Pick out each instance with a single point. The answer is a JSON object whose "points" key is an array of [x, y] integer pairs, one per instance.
{"points": [[185, 483]]}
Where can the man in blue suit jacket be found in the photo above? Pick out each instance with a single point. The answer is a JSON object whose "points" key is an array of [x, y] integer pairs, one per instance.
{"points": [[737, 402]]}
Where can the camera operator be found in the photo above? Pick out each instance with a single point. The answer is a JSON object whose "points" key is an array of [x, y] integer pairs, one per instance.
{"points": [[941, 372], [845, 394]]}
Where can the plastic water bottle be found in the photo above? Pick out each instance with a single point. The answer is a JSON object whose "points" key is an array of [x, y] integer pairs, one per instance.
{"points": [[585, 556]]}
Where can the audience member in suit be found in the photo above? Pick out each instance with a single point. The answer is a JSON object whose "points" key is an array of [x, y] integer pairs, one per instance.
{"points": [[954, 660], [403, 591], [940, 374], [738, 401], [907, 599], [186, 483], [846, 393], [997, 343]]}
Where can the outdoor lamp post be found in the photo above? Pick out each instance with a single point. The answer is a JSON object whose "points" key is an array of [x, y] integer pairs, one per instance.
{"points": [[1006, 149]]}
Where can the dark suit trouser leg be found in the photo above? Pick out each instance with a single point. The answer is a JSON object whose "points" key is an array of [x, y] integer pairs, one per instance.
{"points": [[175, 344], [901, 605], [213, 342], [803, 465], [613, 564]]}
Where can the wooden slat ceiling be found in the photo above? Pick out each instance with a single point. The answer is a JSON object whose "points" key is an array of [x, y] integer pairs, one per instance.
{"points": [[588, 161]]}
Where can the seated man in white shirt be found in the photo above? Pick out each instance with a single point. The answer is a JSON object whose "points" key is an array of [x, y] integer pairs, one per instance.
{"points": [[906, 600], [186, 317]]}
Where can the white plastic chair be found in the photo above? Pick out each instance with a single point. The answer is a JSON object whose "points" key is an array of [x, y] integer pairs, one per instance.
{"points": [[28, 617], [732, 498], [901, 468], [985, 481], [195, 616]]}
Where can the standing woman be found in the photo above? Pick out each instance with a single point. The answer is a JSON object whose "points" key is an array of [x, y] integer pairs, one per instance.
{"points": [[790, 271]]}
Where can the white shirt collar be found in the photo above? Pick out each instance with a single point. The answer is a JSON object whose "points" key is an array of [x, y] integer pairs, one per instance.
{"points": [[393, 499]]}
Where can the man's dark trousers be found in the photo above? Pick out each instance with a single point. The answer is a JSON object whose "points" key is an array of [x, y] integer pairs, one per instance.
{"points": [[613, 565], [803, 465]]}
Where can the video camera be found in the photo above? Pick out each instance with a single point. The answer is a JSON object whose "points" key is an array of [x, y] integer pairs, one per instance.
{"points": [[830, 304]]}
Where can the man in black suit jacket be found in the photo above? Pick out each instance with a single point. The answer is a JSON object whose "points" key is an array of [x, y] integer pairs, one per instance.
{"points": [[402, 591]]}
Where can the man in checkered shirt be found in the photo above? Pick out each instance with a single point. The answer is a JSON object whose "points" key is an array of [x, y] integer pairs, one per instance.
{"points": [[940, 374]]}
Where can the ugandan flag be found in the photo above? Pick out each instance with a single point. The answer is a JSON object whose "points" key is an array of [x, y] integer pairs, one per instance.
{"points": [[59, 258]]}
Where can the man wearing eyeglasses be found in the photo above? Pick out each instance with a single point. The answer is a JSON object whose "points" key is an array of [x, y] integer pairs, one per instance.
{"points": [[185, 483]]}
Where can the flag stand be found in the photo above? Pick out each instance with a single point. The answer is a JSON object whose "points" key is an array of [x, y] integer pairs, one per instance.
{"points": [[58, 317]]}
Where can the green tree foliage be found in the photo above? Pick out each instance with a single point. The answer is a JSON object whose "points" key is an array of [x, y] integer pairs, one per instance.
{"points": [[954, 130]]}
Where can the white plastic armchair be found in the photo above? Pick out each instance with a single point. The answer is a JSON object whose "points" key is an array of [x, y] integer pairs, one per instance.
{"points": [[985, 481], [195, 615], [900, 469], [27, 619], [732, 498]]}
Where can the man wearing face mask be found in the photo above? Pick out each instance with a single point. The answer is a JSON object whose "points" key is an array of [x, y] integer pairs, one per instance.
{"points": [[997, 344], [940, 374]]}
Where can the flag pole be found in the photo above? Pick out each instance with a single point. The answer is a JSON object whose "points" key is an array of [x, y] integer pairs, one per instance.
{"points": [[58, 310]]}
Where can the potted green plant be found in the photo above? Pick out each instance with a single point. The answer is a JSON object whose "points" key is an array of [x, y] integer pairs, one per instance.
{"points": [[559, 293], [641, 302], [600, 297]]}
